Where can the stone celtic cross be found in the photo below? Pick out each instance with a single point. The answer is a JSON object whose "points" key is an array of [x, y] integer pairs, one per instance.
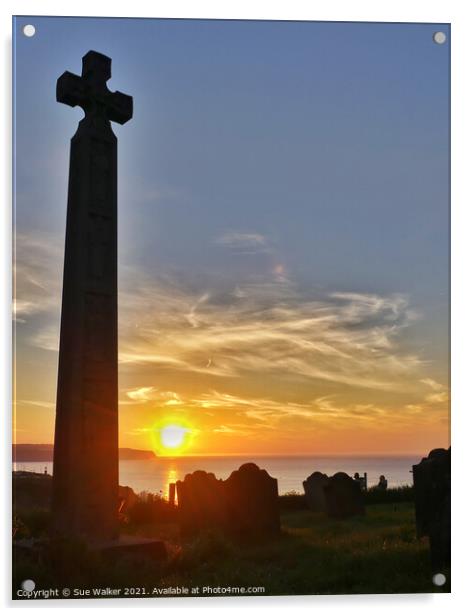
{"points": [[85, 476]]}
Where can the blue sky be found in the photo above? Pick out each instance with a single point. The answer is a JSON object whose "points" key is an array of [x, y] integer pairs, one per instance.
{"points": [[309, 160]]}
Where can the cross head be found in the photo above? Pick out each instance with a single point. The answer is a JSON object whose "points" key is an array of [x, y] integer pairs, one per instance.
{"points": [[90, 91]]}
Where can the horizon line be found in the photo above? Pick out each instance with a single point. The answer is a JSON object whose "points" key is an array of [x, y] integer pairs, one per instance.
{"points": [[255, 454]]}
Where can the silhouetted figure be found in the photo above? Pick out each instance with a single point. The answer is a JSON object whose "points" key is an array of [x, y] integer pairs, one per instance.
{"points": [[361, 481], [383, 483]]}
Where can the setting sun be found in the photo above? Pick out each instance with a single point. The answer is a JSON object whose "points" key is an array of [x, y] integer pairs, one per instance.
{"points": [[170, 437]]}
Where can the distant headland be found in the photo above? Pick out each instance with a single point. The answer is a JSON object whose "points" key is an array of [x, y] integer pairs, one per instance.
{"points": [[45, 453]]}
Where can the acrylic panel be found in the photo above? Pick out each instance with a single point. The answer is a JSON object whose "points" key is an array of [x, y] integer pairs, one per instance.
{"points": [[231, 290]]}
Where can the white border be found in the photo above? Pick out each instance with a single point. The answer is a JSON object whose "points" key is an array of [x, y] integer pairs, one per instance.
{"points": [[444, 11]]}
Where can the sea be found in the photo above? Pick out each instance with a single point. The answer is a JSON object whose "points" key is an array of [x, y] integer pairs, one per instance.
{"points": [[154, 475]]}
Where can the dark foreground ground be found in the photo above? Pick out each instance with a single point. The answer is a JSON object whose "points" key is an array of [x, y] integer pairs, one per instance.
{"points": [[377, 553]]}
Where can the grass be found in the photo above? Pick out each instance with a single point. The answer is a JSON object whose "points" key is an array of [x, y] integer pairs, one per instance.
{"points": [[376, 553], [294, 501], [376, 496]]}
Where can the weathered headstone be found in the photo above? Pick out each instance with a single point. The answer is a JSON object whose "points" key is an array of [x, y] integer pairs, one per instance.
{"points": [[343, 497], [431, 480], [252, 502], [85, 481], [314, 491], [201, 503]]}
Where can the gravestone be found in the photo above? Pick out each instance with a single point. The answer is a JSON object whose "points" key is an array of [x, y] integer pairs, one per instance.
{"points": [[201, 503], [431, 480], [343, 496], [85, 481], [314, 491], [252, 502]]}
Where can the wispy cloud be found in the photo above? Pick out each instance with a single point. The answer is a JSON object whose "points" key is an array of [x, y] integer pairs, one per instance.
{"points": [[235, 415], [39, 403], [245, 243], [148, 394], [239, 429], [439, 392], [266, 329], [434, 385], [192, 314], [37, 275], [270, 327], [141, 394], [47, 336]]}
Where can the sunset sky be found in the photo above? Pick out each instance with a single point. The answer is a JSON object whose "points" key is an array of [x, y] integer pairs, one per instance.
{"points": [[283, 231]]}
